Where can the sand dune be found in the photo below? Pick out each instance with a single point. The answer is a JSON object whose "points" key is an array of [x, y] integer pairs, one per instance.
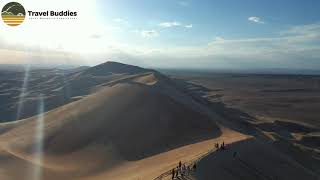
{"points": [[19, 91], [126, 122]]}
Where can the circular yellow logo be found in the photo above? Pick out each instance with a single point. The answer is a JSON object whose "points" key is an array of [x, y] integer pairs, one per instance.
{"points": [[13, 14]]}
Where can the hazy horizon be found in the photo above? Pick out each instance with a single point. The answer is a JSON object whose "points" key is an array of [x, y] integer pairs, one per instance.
{"points": [[177, 71], [179, 34]]}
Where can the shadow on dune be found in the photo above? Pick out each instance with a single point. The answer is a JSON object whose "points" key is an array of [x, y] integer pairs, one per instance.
{"points": [[253, 160], [242, 122], [310, 141], [239, 120], [232, 118], [289, 126]]}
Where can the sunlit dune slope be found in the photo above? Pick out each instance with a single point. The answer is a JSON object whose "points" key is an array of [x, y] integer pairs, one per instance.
{"points": [[127, 120]]}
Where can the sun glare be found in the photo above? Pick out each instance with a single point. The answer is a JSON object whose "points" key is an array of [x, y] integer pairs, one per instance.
{"points": [[66, 36]]}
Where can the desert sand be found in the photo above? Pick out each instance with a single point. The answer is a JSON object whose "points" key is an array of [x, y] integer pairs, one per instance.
{"points": [[126, 122]]}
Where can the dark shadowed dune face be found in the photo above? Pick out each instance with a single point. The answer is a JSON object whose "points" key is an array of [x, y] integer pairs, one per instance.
{"points": [[254, 160], [280, 110], [287, 126], [287, 97], [311, 141]]}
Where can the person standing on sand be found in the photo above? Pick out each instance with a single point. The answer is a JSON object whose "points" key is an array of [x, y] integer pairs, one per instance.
{"points": [[180, 164], [177, 172], [223, 146], [194, 167], [173, 173]]}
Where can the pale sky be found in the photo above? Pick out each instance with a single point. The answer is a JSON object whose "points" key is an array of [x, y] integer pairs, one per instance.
{"points": [[169, 34]]}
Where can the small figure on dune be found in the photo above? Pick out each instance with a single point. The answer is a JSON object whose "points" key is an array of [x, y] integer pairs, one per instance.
{"points": [[234, 154], [180, 164], [223, 146], [217, 145], [178, 171], [173, 173], [194, 167]]}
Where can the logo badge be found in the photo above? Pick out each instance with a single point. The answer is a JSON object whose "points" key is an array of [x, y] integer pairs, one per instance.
{"points": [[13, 14]]}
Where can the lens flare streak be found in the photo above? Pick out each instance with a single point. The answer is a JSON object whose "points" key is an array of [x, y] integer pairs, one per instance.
{"points": [[38, 141], [23, 92]]}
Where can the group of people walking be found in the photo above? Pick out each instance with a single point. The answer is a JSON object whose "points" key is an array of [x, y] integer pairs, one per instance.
{"points": [[221, 147], [182, 170]]}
